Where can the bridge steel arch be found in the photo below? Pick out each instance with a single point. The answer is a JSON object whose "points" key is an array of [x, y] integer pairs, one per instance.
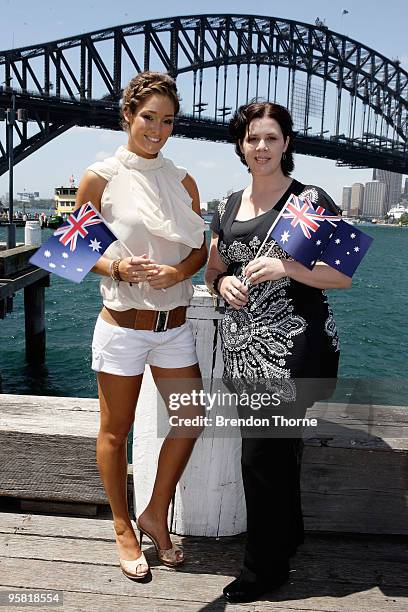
{"points": [[350, 103]]}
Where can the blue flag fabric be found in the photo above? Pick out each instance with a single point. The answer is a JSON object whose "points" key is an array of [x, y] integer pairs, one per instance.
{"points": [[76, 246], [309, 235], [302, 231], [347, 248]]}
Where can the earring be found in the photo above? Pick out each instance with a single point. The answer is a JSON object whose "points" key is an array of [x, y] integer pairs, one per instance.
{"points": [[284, 156]]}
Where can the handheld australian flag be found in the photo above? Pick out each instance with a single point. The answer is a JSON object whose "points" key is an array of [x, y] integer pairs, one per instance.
{"points": [[347, 248], [309, 235], [302, 231], [76, 246]]}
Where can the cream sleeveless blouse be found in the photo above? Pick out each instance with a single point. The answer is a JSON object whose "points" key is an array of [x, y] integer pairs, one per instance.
{"points": [[149, 211]]}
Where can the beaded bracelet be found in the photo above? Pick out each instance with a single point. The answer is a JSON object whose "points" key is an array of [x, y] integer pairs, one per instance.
{"points": [[115, 274]]}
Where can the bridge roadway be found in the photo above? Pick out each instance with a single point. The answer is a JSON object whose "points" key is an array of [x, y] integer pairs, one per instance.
{"points": [[67, 113]]}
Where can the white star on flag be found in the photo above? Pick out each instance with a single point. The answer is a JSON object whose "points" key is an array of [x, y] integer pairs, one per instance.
{"points": [[52, 265], [95, 245], [337, 262], [348, 252], [352, 235], [65, 255], [79, 270], [285, 237], [337, 241], [318, 242], [47, 253], [356, 249]]}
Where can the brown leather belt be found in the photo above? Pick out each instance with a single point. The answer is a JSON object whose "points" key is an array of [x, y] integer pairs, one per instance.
{"points": [[149, 320]]}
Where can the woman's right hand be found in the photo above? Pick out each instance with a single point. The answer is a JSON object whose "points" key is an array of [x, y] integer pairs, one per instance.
{"points": [[137, 269], [233, 291]]}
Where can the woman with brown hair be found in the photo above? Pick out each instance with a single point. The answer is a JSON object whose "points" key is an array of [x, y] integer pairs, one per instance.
{"points": [[278, 328], [153, 208]]}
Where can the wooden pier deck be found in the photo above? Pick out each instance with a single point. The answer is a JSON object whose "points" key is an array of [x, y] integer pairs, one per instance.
{"points": [[77, 557]]}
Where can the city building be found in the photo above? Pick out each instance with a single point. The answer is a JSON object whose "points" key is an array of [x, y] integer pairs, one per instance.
{"points": [[406, 188], [346, 199], [375, 202], [357, 199], [393, 183]]}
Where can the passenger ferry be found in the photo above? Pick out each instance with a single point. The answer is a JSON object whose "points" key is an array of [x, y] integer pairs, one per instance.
{"points": [[65, 199]]}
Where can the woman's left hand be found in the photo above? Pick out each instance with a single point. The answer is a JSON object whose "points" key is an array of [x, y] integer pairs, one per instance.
{"points": [[263, 269], [166, 276]]}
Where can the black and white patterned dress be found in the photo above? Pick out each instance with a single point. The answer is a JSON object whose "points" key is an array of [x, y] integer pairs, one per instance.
{"points": [[286, 331]]}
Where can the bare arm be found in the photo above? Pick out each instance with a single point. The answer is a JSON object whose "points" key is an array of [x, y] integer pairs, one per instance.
{"points": [[321, 277], [229, 287]]}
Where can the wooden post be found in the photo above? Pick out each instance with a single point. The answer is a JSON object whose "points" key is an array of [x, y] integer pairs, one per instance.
{"points": [[34, 313]]}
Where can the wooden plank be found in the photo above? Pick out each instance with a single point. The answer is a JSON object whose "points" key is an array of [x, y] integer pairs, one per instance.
{"points": [[211, 558], [84, 602], [33, 505], [305, 589], [80, 404], [358, 490], [15, 260], [89, 529], [64, 470], [22, 280], [57, 416]]}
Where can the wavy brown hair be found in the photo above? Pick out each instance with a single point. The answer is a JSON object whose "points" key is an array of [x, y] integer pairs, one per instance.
{"points": [[144, 85]]}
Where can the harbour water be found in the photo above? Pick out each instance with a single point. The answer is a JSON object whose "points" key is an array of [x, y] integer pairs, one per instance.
{"points": [[371, 318]]}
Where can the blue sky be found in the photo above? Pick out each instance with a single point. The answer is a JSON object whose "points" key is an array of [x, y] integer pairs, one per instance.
{"points": [[380, 25]]}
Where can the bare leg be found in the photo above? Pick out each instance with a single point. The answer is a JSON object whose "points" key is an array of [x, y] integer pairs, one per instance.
{"points": [[175, 450], [118, 397]]}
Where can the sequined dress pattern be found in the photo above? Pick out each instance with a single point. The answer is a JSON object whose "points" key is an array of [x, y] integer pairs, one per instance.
{"points": [[287, 329]]}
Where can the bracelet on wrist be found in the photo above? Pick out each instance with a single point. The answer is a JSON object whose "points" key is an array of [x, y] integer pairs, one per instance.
{"points": [[114, 270]]}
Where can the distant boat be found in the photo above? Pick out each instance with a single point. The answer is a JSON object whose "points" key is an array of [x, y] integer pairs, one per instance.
{"points": [[349, 220], [55, 221], [65, 199]]}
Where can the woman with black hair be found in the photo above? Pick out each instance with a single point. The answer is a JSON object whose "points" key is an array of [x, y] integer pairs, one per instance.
{"points": [[278, 328]]}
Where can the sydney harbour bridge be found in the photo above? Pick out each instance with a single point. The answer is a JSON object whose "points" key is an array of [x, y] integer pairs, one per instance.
{"points": [[349, 102]]}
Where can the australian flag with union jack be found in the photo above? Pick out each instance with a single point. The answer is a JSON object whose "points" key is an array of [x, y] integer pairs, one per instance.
{"points": [[309, 235], [76, 246]]}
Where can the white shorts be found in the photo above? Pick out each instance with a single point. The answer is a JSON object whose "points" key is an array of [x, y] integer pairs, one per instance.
{"points": [[125, 352]]}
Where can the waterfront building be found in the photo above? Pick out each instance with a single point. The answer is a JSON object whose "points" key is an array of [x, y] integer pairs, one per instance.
{"points": [[346, 199], [357, 199], [393, 183], [397, 211], [406, 188], [375, 202]]}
